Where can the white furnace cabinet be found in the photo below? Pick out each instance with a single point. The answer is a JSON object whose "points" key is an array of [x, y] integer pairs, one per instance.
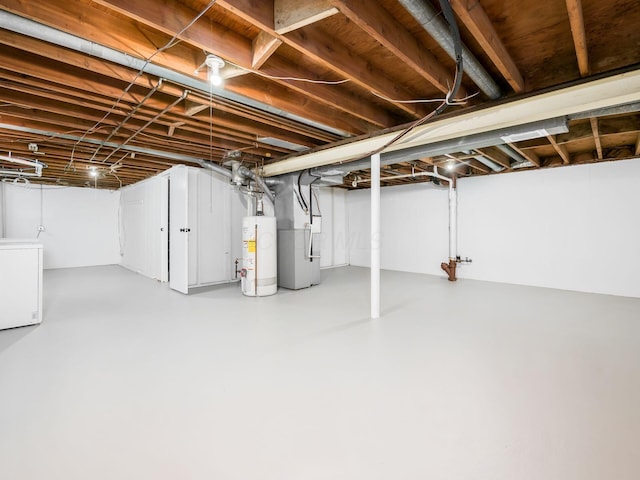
{"points": [[20, 283]]}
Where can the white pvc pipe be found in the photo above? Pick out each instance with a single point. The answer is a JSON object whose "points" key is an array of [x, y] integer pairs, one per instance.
{"points": [[410, 175], [453, 221], [375, 236]]}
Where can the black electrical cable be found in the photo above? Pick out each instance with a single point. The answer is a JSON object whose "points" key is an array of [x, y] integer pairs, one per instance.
{"points": [[311, 211], [305, 207], [450, 98]]}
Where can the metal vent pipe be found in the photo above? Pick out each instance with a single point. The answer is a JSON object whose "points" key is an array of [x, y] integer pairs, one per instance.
{"points": [[429, 19]]}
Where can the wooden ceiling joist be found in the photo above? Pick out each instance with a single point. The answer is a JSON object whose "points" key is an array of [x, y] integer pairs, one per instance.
{"points": [[331, 96], [263, 46], [136, 42], [596, 136], [560, 149], [496, 155], [528, 154], [576, 19], [172, 18], [380, 25], [478, 23], [244, 54], [322, 49], [290, 15], [307, 72]]}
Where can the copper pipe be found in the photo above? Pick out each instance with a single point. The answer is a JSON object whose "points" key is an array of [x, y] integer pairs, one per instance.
{"points": [[450, 269]]}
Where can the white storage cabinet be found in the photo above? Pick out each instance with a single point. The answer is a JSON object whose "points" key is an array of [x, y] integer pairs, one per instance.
{"points": [[20, 283]]}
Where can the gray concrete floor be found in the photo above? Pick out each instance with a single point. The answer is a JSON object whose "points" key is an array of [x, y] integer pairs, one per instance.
{"points": [[125, 379]]}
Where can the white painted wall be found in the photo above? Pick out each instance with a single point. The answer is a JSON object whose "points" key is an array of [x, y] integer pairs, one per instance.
{"points": [[414, 220], [333, 239], [81, 224], [574, 228]]}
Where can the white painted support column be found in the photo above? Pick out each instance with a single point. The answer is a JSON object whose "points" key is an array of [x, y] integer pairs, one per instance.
{"points": [[375, 236], [453, 221]]}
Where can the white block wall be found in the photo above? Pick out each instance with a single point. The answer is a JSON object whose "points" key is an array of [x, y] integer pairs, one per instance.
{"points": [[334, 246], [81, 224], [574, 228], [414, 220]]}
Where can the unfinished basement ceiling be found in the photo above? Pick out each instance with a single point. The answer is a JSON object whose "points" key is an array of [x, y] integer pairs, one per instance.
{"points": [[109, 87]]}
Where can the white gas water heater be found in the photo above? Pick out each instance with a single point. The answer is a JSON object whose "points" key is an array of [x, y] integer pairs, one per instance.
{"points": [[259, 274]]}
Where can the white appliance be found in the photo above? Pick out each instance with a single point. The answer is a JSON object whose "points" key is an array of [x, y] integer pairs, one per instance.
{"points": [[20, 283], [259, 274]]}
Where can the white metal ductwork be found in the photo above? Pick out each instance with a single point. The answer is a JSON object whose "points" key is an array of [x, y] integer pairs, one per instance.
{"points": [[36, 165]]}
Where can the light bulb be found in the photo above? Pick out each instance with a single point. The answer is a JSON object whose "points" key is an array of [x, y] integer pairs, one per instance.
{"points": [[214, 78], [214, 64], [451, 165]]}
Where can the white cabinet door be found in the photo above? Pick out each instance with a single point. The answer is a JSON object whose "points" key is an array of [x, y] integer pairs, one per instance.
{"points": [[212, 210], [20, 285], [179, 230]]}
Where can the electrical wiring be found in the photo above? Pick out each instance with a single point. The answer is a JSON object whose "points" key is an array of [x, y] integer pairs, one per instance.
{"points": [[168, 45], [301, 198], [117, 177], [447, 11], [458, 101], [292, 79], [126, 119]]}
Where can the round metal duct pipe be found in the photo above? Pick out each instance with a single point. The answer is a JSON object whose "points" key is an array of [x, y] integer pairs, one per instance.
{"points": [[429, 19]]}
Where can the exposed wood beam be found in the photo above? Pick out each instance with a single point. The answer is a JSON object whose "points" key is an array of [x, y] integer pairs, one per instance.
{"points": [[596, 136], [142, 41], [475, 164], [242, 52], [576, 19], [606, 126], [94, 66], [379, 24], [528, 154], [322, 49], [290, 15], [263, 46], [98, 26], [637, 149], [226, 126], [172, 17], [561, 149], [478, 23], [264, 91], [191, 108], [496, 155], [97, 76], [347, 103], [172, 128]]}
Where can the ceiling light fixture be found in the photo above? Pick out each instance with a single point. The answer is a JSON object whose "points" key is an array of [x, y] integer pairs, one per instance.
{"points": [[214, 64], [451, 165]]}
